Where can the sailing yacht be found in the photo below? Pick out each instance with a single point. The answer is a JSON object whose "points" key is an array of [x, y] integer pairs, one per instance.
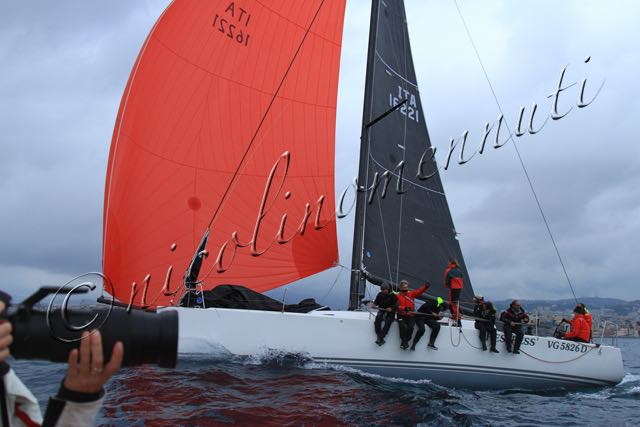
{"points": [[222, 165]]}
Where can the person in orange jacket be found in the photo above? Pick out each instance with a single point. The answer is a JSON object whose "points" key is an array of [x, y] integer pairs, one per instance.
{"points": [[453, 279], [579, 328], [406, 309], [588, 318]]}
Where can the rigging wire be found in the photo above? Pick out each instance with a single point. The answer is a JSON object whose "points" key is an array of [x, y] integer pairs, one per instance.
{"points": [[524, 169], [384, 236], [404, 152], [342, 268]]}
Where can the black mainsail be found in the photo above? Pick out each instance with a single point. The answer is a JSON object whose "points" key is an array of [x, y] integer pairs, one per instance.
{"points": [[403, 226]]}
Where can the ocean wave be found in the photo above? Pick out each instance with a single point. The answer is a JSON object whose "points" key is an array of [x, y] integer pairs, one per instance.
{"points": [[272, 358], [350, 370], [275, 358], [203, 350], [629, 378]]}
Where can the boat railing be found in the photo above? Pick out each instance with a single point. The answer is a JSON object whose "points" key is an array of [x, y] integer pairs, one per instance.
{"points": [[614, 336], [535, 319], [284, 299]]}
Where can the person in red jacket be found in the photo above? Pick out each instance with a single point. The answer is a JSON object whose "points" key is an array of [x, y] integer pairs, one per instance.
{"points": [[453, 279], [579, 328], [406, 309], [588, 318]]}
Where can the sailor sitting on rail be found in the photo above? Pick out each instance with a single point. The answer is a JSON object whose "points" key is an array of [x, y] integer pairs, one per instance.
{"points": [[386, 303], [580, 330], [406, 307], [485, 314], [514, 317], [429, 313]]}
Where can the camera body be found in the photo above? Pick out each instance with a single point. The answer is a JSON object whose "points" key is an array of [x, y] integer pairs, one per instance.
{"points": [[50, 334]]}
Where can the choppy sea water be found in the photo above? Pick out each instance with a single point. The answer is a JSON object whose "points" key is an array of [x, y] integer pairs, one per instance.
{"points": [[280, 390]]}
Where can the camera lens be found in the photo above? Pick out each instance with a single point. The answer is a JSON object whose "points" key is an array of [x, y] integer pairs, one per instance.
{"points": [[147, 337]]}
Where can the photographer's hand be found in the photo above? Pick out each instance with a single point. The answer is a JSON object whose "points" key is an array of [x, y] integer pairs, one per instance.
{"points": [[91, 374], [5, 336]]}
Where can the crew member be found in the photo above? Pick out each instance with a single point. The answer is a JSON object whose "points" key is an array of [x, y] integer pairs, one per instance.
{"points": [[453, 280], [429, 313], [406, 308], [485, 314], [588, 318], [579, 328], [386, 303], [514, 317]]}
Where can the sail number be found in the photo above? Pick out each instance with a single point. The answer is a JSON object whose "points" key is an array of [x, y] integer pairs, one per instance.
{"points": [[568, 346], [409, 108], [232, 22]]}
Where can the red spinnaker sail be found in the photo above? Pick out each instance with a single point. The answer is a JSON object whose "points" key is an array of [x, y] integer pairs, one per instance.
{"points": [[223, 95]]}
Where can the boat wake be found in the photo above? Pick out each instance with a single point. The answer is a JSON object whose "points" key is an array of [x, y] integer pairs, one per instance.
{"points": [[203, 349], [629, 378], [344, 395], [278, 359], [628, 388], [354, 371], [322, 392]]}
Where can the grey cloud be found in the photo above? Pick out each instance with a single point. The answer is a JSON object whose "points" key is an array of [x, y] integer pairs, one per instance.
{"points": [[64, 66]]}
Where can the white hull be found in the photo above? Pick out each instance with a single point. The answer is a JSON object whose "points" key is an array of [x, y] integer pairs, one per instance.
{"points": [[347, 338]]}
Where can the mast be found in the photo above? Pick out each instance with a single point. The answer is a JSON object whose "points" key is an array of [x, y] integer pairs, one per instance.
{"points": [[356, 290]]}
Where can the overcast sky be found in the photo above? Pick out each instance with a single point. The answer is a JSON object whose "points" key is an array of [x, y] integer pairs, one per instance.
{"points": [[64, 65]]}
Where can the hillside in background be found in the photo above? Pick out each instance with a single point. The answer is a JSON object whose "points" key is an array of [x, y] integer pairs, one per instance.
{"points": [[612, 306]]}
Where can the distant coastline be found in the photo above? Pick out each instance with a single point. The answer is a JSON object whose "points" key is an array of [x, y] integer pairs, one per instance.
{"points": [[615, 312]]}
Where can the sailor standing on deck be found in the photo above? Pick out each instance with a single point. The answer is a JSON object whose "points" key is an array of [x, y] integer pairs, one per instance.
{"points": [[453, 280], [406, 308], [386, 303]]}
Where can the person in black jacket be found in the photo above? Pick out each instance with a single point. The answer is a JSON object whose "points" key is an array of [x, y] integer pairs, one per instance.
{"points": [[514, 317], [429, 313], [386, 303], [485, 314]]}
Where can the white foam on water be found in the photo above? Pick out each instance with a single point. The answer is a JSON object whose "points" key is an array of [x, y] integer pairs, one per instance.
{"points": [[348, 369], [599, 395], [200, 349], [267, 356], [629, 378], [203, 349], [617, 390]]}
